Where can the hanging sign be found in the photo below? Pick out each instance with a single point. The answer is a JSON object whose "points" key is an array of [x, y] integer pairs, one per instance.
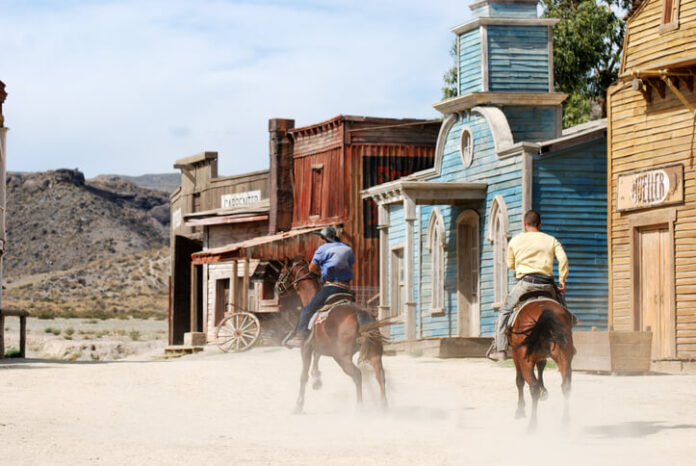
{"points": [[650, 188]]}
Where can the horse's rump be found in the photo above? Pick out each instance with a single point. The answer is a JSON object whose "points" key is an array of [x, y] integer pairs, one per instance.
{"points": [[542, 324]]}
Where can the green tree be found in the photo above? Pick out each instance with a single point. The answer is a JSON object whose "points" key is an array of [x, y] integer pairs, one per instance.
{"points": [[587, 52], [450, 77]]}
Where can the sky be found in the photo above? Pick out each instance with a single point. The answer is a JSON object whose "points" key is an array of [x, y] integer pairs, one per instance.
{"points": [[128, 87]]}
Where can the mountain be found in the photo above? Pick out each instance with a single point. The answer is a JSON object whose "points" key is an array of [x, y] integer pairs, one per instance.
{"points": [[166, 182], [57, 220]]}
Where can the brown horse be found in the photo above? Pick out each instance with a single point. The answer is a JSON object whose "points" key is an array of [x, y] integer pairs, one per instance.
{"points": [[542, 330], [347, 329]]}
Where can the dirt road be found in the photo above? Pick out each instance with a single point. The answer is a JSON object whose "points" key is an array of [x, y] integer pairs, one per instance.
{"points": [[237, 408]]}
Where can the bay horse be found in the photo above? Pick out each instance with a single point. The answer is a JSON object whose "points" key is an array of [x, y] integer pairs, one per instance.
{"points": [[347, 329], [543, 329]]}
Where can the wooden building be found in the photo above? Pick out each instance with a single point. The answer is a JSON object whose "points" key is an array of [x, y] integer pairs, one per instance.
{"points": [[3, 189], [209, 211], [652, 213], [501, 150], [317, 174]]}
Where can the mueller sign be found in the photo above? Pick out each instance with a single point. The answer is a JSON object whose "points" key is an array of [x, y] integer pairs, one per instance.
{"points": [[651, 188]]}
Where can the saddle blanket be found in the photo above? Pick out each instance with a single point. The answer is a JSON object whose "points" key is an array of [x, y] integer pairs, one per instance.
{"points": [[322, 314]]}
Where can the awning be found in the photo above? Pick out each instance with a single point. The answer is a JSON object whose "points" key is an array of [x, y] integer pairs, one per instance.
{"points": [[288, 244], [426, 192]]}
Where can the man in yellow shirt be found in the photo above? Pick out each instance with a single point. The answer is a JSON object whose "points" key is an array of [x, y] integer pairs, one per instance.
{"points": [[531, 255]]}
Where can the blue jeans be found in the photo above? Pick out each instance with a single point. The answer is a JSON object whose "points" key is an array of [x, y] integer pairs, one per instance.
{"points": [[314, 305]]}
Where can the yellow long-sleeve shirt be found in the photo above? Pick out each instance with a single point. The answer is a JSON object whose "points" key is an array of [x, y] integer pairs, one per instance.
{"points": [[533, 252]]}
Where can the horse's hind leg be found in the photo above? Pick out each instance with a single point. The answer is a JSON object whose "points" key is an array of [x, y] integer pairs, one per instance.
{"points": [[543, 394], [376, 362], [346, 363], [316, 374], [566, 376], [534, 389], [304, 376], [520, 391]]}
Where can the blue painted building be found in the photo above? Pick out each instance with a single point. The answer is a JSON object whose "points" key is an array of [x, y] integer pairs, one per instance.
{"points": [[501, 150]]}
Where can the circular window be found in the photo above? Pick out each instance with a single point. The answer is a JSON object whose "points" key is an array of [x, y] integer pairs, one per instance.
{"points": [[467, 146]]}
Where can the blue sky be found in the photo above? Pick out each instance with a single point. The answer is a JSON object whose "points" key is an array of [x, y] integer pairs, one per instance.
{"points": [[130, 86]]}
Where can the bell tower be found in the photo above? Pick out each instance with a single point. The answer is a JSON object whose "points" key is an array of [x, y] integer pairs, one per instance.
{"points": [[505, 59]]}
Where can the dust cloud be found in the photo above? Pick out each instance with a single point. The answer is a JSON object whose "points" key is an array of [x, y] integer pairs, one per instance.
{"points": [[216, 408]]}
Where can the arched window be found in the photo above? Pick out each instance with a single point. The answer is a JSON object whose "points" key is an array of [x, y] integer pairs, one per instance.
{"points": [[436, 245], [498, 234], [466, 146]]}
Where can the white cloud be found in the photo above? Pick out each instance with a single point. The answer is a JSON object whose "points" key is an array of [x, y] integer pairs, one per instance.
{"points": [[130, 86]]}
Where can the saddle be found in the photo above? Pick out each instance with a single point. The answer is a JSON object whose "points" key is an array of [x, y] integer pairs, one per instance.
{"points": [[536, 296], [331, 302]]}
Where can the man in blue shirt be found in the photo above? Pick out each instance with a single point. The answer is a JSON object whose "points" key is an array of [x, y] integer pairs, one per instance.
{"points": [[333, 260]]}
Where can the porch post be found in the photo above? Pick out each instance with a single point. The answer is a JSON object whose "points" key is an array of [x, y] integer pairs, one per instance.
{"points": [[409, 271], [245, 285], [383, 227], [194, 299], [233, 289]]}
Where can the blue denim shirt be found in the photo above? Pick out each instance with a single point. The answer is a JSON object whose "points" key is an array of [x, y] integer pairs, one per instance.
{"points": [[336, 262]]}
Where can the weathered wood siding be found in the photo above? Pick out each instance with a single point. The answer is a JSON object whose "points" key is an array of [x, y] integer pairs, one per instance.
{"points": [[470, 66], [518, 58], [221, 235], [646, 47], [569, 191], [532, 123], [642, 136]]}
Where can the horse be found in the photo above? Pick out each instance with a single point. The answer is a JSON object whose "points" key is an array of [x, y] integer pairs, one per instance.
{"points": [[542, 330], [347, 329]]}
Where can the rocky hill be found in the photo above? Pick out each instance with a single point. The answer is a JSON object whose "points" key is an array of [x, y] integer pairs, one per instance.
{"points": [[166, 182], [57, 220]]}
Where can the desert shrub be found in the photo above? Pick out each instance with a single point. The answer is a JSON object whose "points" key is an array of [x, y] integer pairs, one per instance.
{"points": [[12, 353], [68, 333], [55, 331], [45, 315], [48, 330], [134, 335]]}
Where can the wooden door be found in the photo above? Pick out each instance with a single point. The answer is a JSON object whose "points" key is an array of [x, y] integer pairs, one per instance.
{"points": [[653, 291], [468, 274]]}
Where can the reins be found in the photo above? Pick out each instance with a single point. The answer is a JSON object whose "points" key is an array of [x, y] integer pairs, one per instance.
{"points": [[283, 287]]}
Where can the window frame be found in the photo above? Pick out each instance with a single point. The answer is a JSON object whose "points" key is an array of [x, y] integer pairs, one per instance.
{"points": [[468, 158], [438, 257], [499, 236], [673, 23]]}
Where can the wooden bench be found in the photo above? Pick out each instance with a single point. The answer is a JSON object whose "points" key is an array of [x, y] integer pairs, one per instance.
{"points": [[22, 330]]}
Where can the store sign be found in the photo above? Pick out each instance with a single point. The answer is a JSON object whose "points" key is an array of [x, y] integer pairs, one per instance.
{"points": [[650, 188], [238, 199]]}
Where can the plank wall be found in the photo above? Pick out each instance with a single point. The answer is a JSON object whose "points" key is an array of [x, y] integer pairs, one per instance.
{"points": [[646, 46], [531, 124], [470, 66], [518, 58], [645, 135], [569, 190]]}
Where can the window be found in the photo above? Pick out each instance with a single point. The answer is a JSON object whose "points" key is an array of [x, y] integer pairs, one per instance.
{"points": [[436, 245], [467, 146], [398, 282], [498, 234], [317, 185], [670, 15]]}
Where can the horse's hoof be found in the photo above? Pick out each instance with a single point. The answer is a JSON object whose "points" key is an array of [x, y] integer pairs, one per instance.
{"points": [[544, 394], [316, 385], [519, 414]]}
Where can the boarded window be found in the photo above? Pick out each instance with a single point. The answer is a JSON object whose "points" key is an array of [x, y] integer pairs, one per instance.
{"points": [[398, 283], [498, 234], [436, 244], [317, 185], [670, 15]]}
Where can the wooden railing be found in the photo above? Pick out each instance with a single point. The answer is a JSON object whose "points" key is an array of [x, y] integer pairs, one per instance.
{"points": [[22, 330]]}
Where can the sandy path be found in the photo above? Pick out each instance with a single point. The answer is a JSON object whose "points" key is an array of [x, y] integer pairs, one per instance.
{"points": [[224, 408]]}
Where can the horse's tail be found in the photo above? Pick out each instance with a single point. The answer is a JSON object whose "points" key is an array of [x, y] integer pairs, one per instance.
{"points": [[547, 330], [371, 339]]}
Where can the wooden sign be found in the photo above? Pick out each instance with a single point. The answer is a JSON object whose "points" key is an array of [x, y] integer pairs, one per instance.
{"points": [[238, 199], [650, 188]]}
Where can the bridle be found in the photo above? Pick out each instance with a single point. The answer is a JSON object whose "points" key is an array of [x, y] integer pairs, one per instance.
{"points": [[283, 287]]}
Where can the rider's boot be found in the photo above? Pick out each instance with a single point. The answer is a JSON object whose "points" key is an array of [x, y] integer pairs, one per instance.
{"points": [[297, 341]]}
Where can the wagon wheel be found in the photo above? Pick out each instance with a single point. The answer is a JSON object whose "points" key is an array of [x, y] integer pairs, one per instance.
{"points": [[238, 332]]}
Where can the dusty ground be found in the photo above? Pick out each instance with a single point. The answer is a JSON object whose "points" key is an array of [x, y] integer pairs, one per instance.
{"points": [[237, 408]]}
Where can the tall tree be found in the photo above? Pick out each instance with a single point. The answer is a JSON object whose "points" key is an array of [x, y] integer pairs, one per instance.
{"points": [[449, 79], [587, 52]]}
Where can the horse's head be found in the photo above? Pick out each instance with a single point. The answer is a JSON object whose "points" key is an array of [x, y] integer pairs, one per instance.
{"points": [[291, 274]]}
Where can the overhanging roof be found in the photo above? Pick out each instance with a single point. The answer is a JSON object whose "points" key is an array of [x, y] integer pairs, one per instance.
{"points": [[426, 192], [473, 99], [254, 208], [299, 241]]}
